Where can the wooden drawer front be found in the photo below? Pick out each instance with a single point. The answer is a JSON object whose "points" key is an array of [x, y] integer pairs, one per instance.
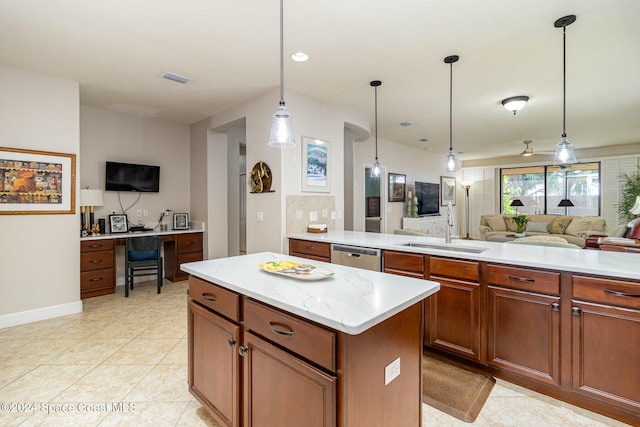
{"points": [[309, 341], [403, 261], [188, 243], [220, 300], [525, 279], [96, 245], [96, 260], [184, 258], [310, 248], [466, 270], [313, 257], [607, 291], [98, 279]]}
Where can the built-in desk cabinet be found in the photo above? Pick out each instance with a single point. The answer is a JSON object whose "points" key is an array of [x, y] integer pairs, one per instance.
{"points": [[186, 248], [97, 268]]}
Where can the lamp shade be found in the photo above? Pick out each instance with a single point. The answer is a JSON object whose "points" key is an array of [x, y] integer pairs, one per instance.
{"points": [[281, 134], [635, 210], [515, 103], [90, 197], [565, 203], [517, 202]]}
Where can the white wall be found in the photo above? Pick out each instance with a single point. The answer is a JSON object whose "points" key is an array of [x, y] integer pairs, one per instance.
{"points": [[39, 254]]}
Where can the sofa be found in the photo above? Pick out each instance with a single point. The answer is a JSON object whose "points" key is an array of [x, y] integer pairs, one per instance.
{"points": [[574, 229]]}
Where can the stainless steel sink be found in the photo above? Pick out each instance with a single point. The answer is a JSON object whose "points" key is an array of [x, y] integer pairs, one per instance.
{"points": [[445, 247]]}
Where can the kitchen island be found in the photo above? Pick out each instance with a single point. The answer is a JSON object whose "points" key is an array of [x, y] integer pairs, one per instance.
{"points": [[563, 322], [269, 350]]}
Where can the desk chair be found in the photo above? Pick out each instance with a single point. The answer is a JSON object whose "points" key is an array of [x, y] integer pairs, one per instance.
{"points": [[142, 257]]}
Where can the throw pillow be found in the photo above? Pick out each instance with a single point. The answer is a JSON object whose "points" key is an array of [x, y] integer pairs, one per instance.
{"points": [[559, 224], [496, 223], [579, 224], [542, 239], [619, 231], [511, 224], [539, 227]]}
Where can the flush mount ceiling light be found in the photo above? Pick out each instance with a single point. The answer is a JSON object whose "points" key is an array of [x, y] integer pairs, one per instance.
{"points": [[281, 134], [300, 56], [528, 151], [375, 169], [564, 150], [451, 162], [515, 103]]}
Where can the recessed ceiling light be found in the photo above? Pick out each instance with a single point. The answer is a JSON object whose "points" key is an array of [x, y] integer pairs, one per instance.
{"points": [[300, 56], [424, 139], [406, 124], [176, 77]]}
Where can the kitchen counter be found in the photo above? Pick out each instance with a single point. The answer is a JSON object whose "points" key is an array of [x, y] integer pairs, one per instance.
{"points": [[614, 264], [350, 301]]}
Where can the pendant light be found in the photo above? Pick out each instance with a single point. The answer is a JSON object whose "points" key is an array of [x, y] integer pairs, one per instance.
{"points": [[451, 162], [375, 169], [281, 130], [564, 150]]}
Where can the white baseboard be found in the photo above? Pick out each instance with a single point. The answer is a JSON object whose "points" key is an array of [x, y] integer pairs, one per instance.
{"points": [[44, 313]]}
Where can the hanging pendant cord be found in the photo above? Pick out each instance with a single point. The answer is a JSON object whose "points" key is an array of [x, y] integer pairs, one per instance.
{"points": [[375, 91], [451, 106], [281, 54], [564, 81]]}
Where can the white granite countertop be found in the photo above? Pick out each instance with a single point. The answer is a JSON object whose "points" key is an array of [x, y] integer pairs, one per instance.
{"points": [[616, 264], [350, 301]]}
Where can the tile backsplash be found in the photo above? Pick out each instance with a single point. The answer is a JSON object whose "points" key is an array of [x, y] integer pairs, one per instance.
{"points": [[300, 209]]}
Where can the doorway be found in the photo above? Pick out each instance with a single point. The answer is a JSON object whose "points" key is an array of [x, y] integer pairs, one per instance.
{"points": [[373, 221]]}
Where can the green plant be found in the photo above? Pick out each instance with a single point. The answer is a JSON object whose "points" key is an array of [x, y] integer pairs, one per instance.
{"points": [[630, 190], [521, 221]]}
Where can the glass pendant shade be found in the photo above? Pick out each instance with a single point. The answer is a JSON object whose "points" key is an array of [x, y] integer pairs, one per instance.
{"points": [[564, 153], [375, 169], [281, 130], [451, 163]]}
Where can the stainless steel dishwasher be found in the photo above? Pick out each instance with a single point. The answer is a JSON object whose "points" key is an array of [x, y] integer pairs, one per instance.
{"points": [[354, 256]]}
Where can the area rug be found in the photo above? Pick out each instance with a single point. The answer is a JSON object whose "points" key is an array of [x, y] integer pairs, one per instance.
{"points": [[453, 388]]}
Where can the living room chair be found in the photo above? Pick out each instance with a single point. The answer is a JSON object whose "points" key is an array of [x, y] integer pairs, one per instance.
{"points": [[142, 258]]}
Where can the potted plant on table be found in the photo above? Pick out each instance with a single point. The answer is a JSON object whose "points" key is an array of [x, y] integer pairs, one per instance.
{"points": [[521, 221]]}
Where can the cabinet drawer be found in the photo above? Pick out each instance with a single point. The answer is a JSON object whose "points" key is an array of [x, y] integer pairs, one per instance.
{"points": [[607, 291], [96, 260], [310, 248], [192, 257], [457, 269], [521, 278], [98, 279], [309, 341], [96, 245], [402, 261], [220, 300], [188, 243]]}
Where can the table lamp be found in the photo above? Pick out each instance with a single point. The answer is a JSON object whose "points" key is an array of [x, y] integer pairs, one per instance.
{"points": [[88, 199], [516, 203]]}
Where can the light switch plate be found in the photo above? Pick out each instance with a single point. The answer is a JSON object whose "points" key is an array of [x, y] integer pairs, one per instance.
{"points": [[260, 216], [313, 216], [391, 371]]}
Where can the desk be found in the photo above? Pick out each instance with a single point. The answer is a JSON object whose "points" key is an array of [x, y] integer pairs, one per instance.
{"points": [[98, 258]]}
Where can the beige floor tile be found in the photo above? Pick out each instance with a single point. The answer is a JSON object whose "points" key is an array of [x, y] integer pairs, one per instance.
{"points": [[196, 416], [520, 412], [9, 373], [166, 329], [62, 414], [43, 383], [142, 351], [33, 351], [432, 417], [164, 383], [89, 352], [578, 417], [178, 355], [147, 414], [105, 383]]}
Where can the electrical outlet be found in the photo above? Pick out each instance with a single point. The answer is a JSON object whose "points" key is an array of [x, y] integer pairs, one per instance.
{"points": [[313, 216], [325, 213], [260, 216], [391, 371], [139, 212], [145, 212]]}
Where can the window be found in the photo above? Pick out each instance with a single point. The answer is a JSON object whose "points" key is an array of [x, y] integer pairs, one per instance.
{"points": [[540, 188]]}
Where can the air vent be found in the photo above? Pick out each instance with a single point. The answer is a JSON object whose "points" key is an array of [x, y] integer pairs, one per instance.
{"points": [[176, 77]]}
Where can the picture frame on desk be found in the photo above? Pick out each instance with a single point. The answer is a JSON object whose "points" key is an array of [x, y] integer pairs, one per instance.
{"points": [[180, 221], [118, 223]]}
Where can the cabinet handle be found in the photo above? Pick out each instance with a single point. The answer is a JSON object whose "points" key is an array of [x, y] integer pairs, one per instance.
{"points": [[308, 248], [522, 279], [555, 306], [243, 350], [231, 342], [95, 261], [96, 279], [209, 297], [621, 294], [575, 311], [288, 333], [189, 243], [95, 246]]}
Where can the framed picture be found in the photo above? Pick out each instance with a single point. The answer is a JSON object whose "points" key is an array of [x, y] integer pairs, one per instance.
{"points": [[118, 223], [37, 182], [397, 184], [447, 191], [316, 155], [180, 221]]}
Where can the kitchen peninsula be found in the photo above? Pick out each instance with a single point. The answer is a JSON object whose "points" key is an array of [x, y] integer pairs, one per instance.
{"points": [[563, 322], [268, 350]]}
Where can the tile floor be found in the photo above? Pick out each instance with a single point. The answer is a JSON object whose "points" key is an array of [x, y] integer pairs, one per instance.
{"points": [[123, 362]]}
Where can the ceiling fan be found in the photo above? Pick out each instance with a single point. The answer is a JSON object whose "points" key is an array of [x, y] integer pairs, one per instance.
{"points": [[528, 151]]}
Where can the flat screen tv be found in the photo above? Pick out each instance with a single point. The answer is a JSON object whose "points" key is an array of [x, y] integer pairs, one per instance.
{"points": [[130, 177], [428, 195]]}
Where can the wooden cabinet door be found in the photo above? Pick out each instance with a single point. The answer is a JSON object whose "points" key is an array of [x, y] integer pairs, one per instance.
{"points": [[523, 333], [454, 317], [214, 364], [606, 363], [305, 394]]}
